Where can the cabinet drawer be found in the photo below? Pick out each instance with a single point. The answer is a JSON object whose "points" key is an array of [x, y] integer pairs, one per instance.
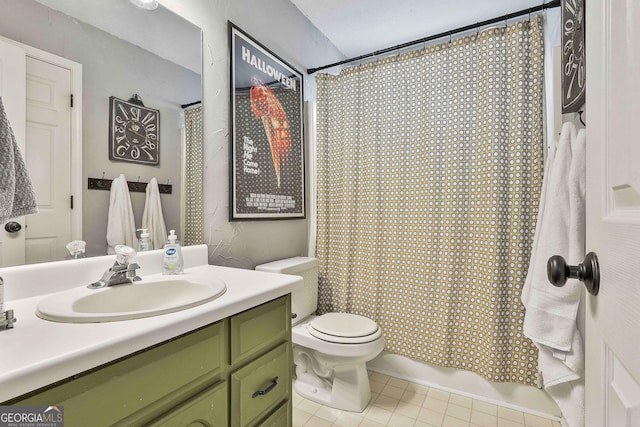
{"points": [[145, 384], [259, 328], [209, 406], [281, 417], [254, 390]]}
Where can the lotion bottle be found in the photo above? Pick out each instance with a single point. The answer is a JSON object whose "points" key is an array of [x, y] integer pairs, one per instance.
{"points": [[144, 244], [172, 262]]}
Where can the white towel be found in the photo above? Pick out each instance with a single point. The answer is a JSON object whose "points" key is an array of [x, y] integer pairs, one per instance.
{"points": [[152, 218], [16, 192], [121, 226], [551, 312]]}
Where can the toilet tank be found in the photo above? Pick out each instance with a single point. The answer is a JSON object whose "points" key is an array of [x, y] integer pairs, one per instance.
{"points": [[304, 301]]}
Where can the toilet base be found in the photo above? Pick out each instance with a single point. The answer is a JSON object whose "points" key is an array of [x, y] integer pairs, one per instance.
{"points": [[346, 387]]}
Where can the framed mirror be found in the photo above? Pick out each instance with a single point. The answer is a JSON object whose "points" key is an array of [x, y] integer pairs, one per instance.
{"points": [[100, 50]]}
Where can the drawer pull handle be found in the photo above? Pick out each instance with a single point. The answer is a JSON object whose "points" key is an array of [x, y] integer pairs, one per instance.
{"points": [[270, 387]]}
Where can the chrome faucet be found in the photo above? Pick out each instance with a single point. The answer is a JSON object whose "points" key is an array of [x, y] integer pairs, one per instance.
{"points": [[121, 271]]}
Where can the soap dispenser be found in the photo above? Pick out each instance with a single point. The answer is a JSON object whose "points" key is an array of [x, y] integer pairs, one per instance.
{"points": [[144, 244], [172, 262]]}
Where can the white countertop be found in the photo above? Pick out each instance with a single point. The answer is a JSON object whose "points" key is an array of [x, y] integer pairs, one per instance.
{"points": [[38, 352]]}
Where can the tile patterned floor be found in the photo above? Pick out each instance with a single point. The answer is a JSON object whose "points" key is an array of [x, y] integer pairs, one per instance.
{"points": [[398, 403]]}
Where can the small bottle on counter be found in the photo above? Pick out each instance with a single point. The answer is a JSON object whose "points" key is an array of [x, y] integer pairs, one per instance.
{"points": [[144, 244], [172, 262]]}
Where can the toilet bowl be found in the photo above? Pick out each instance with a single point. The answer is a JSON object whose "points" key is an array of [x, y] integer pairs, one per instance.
{"points": [[330, 351]]}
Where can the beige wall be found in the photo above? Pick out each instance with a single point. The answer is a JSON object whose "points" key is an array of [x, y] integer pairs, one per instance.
{"points": [[285, 31]]}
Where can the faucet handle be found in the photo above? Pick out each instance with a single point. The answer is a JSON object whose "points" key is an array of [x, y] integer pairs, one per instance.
{"points": [[124, 254], [131, 272]]}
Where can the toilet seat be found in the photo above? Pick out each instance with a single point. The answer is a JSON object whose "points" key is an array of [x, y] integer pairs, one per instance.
{"points": [[344, 328]]}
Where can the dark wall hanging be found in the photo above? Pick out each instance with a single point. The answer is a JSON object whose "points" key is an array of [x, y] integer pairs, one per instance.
{"points": [[134, 131], [574, 65], [266, 147]]}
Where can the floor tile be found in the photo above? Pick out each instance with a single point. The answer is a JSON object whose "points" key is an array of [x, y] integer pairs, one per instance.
{"points": [[503, 422], [379, 377], [439, 394], [370, 423], [398, 383], [386, 402], [326, 413], [430, 417], [435, 404], [511, 414], [317, 422], [410, 396], [398, 420], [456, 399], [300, 417], [378, 415], [348, 419], [454, 422], [398, 403], [392, 391], [459, 412], [308, 406], [376, 386], [407, 409], [417, 388], [487, 408], [535, 421], [483, 419], [296, 399]]}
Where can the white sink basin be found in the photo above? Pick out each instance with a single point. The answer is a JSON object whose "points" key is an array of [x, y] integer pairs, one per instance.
{"points": [[129, 301]]}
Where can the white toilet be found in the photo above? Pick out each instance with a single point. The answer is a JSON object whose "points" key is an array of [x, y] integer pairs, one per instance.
{"points": [[330, 351]]}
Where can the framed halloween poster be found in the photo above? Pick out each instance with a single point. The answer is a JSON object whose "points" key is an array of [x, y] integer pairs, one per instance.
{"points": [[266, 133]]}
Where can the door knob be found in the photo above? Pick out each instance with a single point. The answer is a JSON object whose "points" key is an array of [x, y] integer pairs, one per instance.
{"points": [[12, 227], [588, 272]]}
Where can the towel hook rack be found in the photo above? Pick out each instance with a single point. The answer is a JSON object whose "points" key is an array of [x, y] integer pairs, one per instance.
{"points": [[134, 186]]}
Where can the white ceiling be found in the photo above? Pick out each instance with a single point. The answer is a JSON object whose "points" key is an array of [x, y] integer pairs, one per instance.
{"points": [[357, 27], [159, 31]]}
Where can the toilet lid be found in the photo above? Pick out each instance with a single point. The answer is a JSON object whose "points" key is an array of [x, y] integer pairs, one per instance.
{"points": [[344, 328]]}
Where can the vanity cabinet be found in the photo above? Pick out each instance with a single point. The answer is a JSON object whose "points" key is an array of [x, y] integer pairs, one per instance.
{"points": [[235, 372]]}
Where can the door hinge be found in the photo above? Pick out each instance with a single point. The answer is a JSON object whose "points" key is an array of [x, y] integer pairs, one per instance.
{"points": [[71, 100], [71, 201]]}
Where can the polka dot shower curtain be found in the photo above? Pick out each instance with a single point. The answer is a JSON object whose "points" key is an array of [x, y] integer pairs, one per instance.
{"points": [[429, 176], [193, 198]]}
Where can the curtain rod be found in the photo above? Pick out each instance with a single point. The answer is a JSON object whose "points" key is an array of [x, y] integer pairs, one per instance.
{"points": [[191, 104], [550, 5]]}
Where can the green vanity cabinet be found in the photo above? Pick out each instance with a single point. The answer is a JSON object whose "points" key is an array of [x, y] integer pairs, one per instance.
{"points": [[206, 409], [261, 362], [219, 375]]}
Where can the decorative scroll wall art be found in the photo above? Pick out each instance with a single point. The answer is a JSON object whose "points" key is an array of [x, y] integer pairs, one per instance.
{"points": [[267, 148]]}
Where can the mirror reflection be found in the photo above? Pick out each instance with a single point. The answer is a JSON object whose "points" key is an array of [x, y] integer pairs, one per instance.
{"points": [[94, 51]]}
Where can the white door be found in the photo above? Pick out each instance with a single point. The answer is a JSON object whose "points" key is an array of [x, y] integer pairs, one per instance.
{"points": [[48, 149], [12, 91], [613, 212], [36, 96]]}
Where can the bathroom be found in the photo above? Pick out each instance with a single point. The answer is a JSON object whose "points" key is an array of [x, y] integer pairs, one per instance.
{"points": [[280, 26]]}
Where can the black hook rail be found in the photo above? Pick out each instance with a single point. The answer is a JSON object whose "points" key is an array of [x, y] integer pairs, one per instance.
{"points": [[134, 186]]}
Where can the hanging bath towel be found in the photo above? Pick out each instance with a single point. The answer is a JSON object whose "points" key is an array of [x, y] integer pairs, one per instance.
{"points": [[551, 318], [152, 218], [16, 192], [121, 227]]}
